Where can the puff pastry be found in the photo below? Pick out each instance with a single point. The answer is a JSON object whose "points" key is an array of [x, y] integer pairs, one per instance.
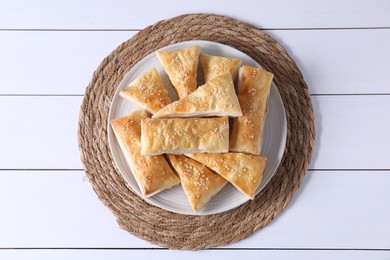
{"points": [[253, 91], [153, 174], [214, 66], [181, 67], [148, 91], [184, 135], [198, 182], [244, 171], [215, 98]]}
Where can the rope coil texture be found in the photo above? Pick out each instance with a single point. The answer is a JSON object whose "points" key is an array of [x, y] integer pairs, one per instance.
{"points": [[178, 231]]}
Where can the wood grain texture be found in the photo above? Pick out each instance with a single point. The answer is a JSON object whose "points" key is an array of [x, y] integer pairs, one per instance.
{"points": [[121, 14], [63, 62], [331, 210], [352, 132]]}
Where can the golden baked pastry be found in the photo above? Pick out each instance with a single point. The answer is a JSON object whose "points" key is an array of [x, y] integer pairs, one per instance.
{"points": [[181, 67], [184, 135], [244, 171], [148, 91], [153, 174], [214, 66], [198, 182], [215, 98], [253, 90]]}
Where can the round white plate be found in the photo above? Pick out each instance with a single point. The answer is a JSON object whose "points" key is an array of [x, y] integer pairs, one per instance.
{"points": [[175, 200]]}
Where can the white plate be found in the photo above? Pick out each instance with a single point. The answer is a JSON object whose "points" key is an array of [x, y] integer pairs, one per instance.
{"points": [[175, 200]]}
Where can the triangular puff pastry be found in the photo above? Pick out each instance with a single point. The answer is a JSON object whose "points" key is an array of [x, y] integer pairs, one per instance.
{"points": [[214, 66], [148, 91], [244, 171], [215, 98], [198, 182], [253, 90], [181, 67], [153, 174]]}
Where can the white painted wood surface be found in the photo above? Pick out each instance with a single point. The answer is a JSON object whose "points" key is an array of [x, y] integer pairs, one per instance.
{"points": [[68, 59], [41, 132], [122, 14], [41, 139], [58, 209], [104, 254], [48, 52]]}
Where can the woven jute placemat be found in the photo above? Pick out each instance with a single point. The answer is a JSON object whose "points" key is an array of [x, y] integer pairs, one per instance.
{"points": [[178, 231]]}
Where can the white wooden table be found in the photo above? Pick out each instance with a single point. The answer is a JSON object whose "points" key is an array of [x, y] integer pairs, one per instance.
{"points": [[48, 52]]}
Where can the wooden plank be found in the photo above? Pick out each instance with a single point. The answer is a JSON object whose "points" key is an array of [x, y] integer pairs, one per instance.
{"points": [[56, 209], [59, 209], [53, 62], [119, 14], [97, 254], [41, 132], [352, 132], [63, 62], [340, 61]]}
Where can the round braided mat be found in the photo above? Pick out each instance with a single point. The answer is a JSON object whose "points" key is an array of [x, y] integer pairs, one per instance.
{"points": [[195, 232]]}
